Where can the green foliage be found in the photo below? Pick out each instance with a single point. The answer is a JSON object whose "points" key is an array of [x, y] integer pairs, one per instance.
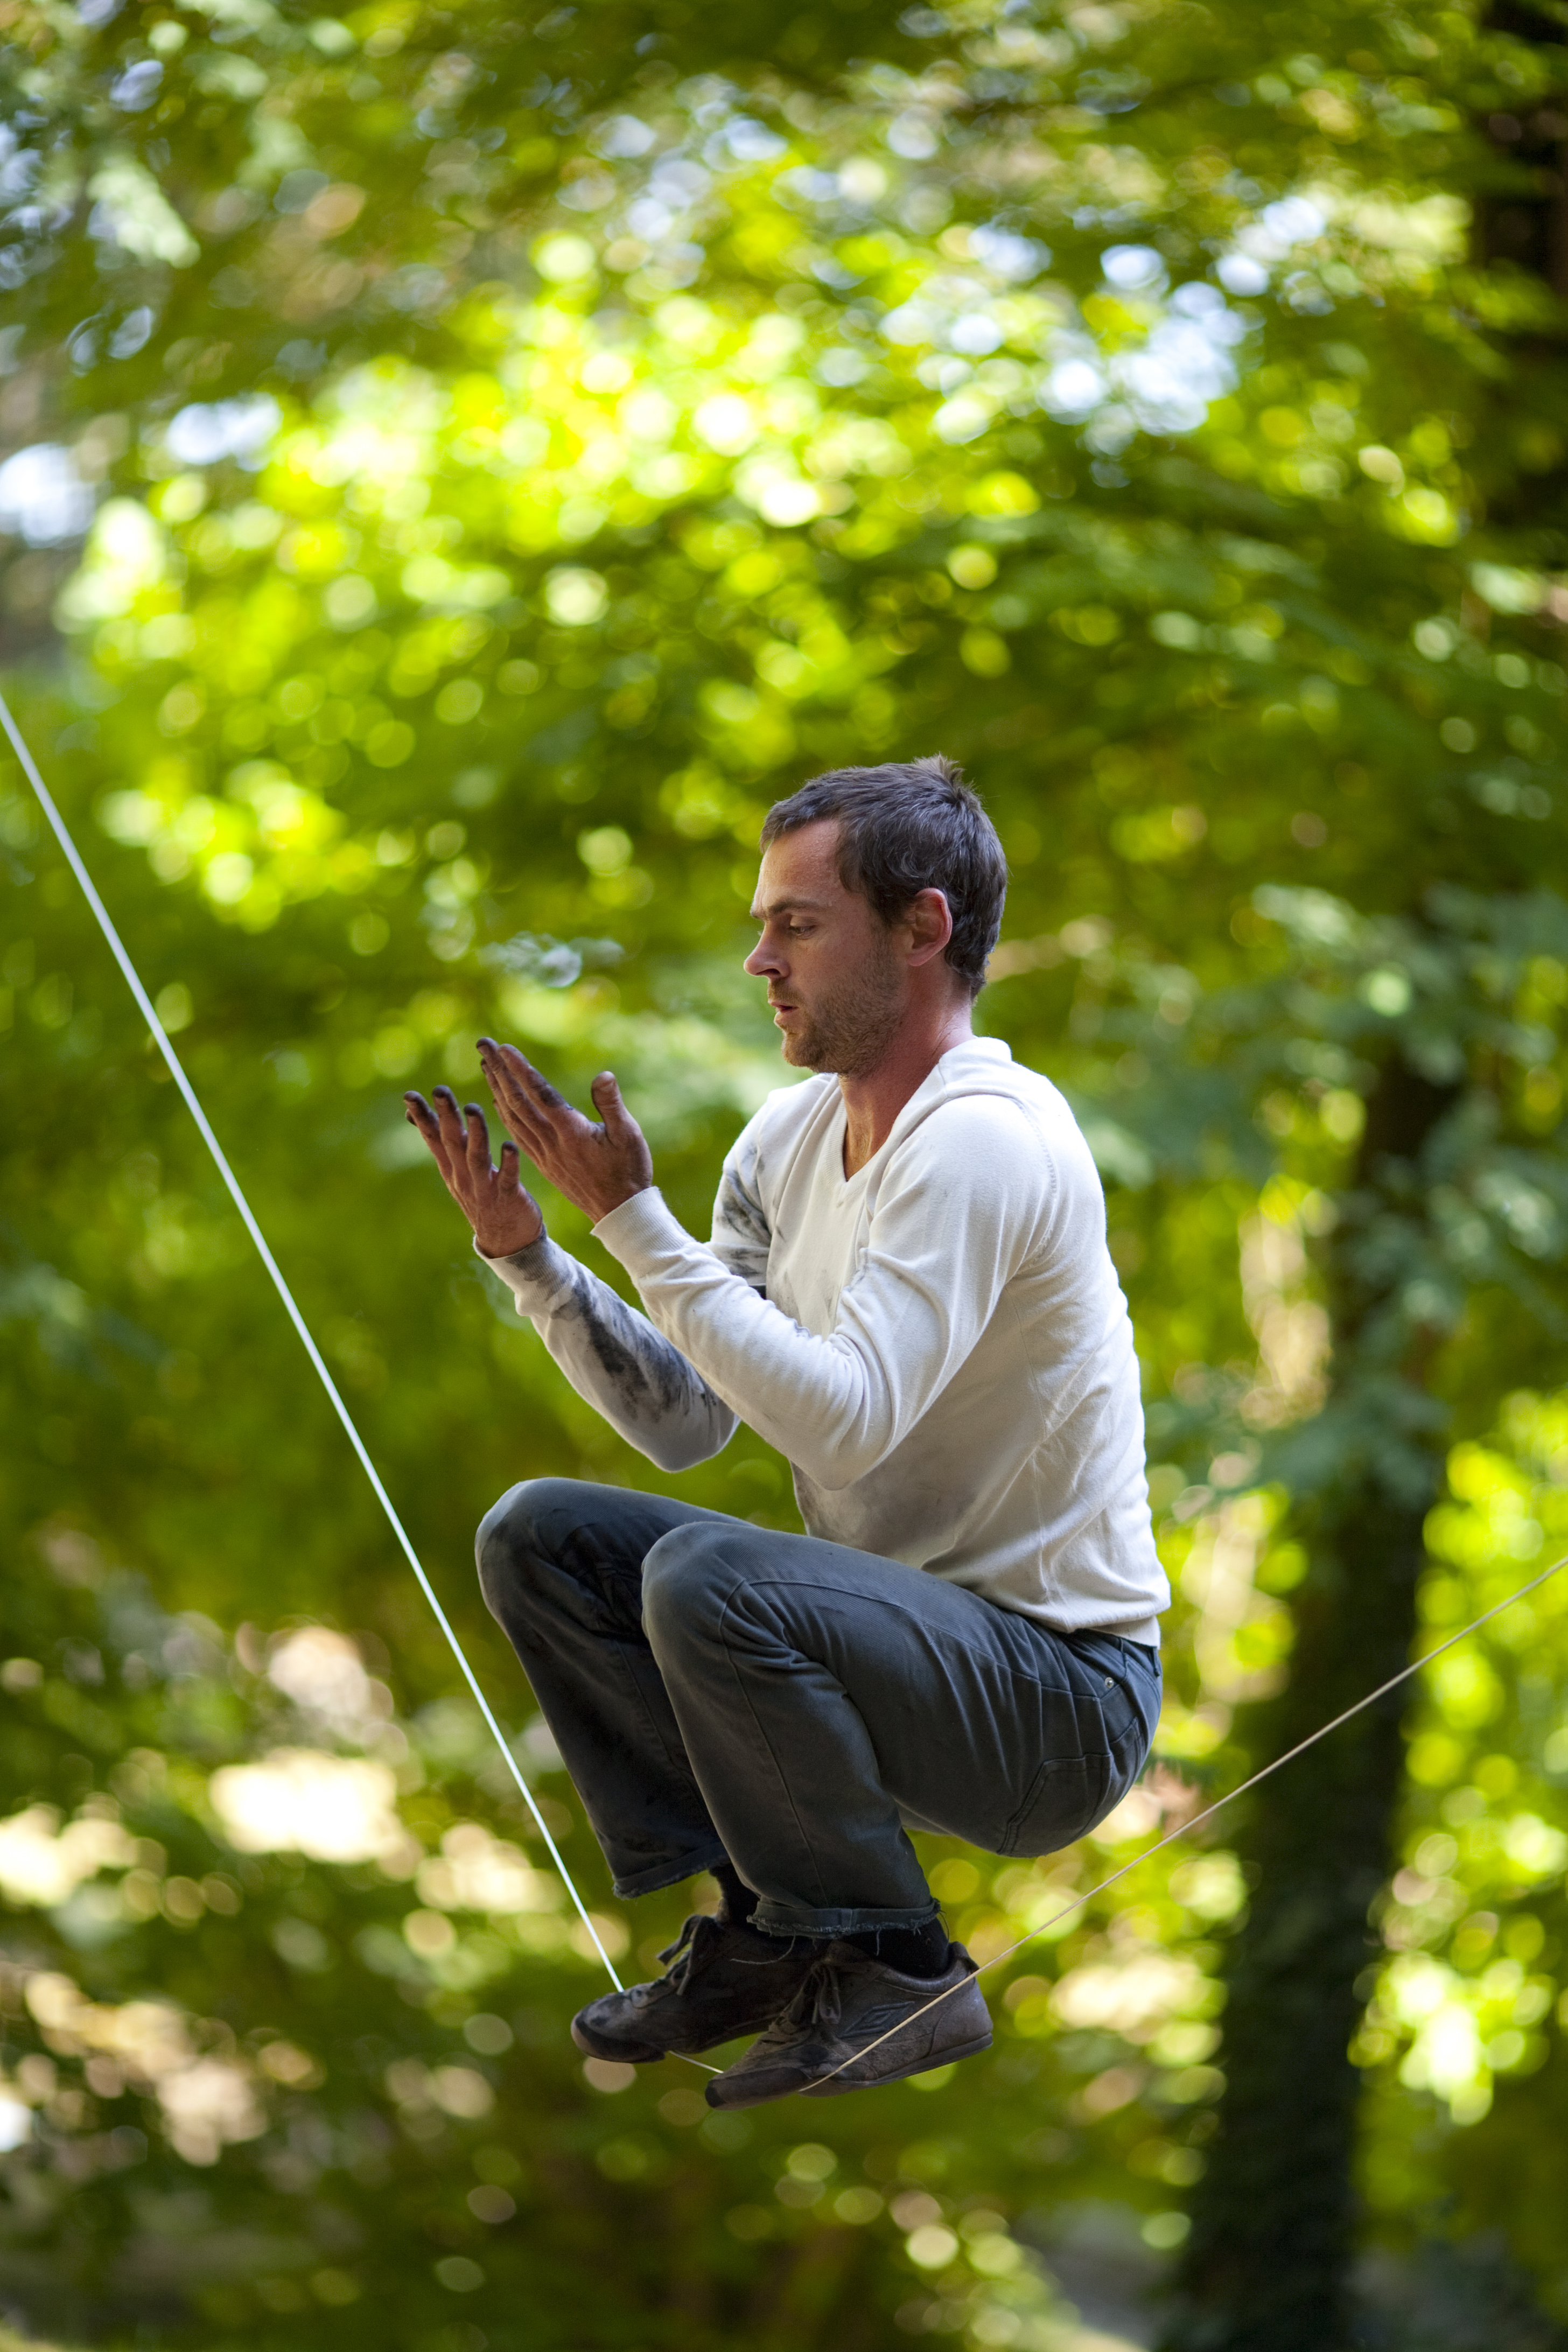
{"points": [[629, 416], [1462, 2009]]}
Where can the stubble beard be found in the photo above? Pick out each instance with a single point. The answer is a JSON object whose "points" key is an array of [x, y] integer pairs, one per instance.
{"points": [[851, 1025]]}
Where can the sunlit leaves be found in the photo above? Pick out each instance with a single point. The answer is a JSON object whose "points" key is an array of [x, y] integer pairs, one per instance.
{"points": [[538, 466], [1468, 1917]]}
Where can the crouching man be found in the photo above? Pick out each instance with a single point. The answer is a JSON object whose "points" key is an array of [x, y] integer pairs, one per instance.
{"points": [[907, 1292]]}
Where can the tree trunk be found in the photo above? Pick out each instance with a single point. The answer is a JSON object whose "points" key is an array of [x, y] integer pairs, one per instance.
{"points": [[1268, 2267]]}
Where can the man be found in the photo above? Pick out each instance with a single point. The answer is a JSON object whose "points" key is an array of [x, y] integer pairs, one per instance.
{"points": [[909, 1293]]}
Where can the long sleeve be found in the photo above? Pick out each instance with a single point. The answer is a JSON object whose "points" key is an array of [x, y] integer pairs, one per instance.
{"points": [[958, 1211], [614, 1359]]}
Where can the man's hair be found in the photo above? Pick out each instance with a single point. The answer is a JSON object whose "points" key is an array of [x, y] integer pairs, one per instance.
{"points": [[908, 827]]}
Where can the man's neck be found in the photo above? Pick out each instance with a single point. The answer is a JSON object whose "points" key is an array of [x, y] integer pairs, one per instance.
{"points": [[873, 1100]]}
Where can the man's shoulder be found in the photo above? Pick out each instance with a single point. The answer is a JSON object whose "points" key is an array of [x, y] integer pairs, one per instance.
{"points": [[1003, 1121], [979, 1085]]}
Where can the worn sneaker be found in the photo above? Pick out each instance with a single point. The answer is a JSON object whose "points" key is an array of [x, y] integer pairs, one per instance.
{"points": [[855, 2023], [725, 1980]]}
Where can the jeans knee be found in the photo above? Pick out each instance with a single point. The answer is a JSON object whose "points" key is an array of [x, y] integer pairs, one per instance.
{"points": [[512, 1538], [687, 1578]]}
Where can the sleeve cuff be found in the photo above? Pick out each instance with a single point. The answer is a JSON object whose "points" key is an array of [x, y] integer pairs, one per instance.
{"points": [[534, 1274], [642, 1230]]}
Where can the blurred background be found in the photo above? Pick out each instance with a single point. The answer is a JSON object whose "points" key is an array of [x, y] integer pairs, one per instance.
{"points": [[457, 466]]}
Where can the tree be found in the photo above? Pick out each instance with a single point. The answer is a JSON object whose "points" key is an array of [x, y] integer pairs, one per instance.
{"points": [[519, 482]]}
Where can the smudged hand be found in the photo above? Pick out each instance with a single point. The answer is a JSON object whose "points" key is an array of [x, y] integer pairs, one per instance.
{"points": [[596, 1163], [504, 1216]]}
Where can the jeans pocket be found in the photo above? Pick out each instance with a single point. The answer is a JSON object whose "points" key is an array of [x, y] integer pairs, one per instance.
{"points": [[1068, 1797]]}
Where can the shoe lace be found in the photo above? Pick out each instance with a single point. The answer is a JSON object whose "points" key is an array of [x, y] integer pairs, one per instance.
{"points": [[818, 1998], [695, 1948], [700, 1944]]}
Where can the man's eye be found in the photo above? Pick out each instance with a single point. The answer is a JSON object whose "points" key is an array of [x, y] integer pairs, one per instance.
{"points": [[800, 930]]}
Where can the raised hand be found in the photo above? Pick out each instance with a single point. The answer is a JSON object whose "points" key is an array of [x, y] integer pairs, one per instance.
{"points": [[504, 1216], [596, 1166]]}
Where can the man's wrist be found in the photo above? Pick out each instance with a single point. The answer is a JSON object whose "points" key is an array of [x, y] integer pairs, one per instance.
{"points": [[494, 1249], [633, 1215], [597, 1210]]}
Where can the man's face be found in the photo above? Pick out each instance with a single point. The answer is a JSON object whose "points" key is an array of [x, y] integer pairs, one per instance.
{"points": [[837, 981]]}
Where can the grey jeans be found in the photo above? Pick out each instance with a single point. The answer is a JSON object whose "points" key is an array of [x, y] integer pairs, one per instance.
{"points": [[719, 1690]]}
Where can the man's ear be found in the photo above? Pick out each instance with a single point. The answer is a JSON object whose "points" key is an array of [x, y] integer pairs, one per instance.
{"points": [[928, 920]]}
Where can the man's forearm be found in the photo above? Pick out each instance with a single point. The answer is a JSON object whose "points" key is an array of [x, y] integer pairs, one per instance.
{"points": [[638, 1380]]}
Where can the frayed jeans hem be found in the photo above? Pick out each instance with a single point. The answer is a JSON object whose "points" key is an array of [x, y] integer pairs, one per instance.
{"points": [[660, 1874], [786, 1919]]}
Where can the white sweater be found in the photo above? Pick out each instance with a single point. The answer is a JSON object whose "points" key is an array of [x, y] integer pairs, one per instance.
{"points": [[938, 1344]]}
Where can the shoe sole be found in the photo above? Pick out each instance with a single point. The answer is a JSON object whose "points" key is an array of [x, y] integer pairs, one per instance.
{"points": [[645, 2054], [616, 2053]]}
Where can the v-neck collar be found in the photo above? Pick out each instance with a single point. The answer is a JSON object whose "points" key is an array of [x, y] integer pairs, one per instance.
{"points": [[992, 1049]]}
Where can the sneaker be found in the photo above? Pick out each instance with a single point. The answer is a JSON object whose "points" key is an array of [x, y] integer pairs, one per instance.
{"points": [[725, 1980], [855, 2022]]}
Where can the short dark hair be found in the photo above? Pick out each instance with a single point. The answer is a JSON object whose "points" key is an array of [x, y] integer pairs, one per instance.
{"points": [[908, 827]]}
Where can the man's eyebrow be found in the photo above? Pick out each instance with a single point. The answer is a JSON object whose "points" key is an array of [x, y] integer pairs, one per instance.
{"points": [[784, 906]]}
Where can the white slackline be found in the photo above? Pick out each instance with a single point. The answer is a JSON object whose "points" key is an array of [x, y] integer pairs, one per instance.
{"points": [[176, 1071]]}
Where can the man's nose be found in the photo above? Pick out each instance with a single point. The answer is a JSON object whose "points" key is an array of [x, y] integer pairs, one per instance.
{"points": [[765, 958]]}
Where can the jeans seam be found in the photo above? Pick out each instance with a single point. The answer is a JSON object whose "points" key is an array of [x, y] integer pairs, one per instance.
{"points": [[1016, 1825]]}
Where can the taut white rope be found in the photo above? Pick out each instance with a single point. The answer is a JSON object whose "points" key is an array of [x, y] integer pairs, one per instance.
{"points": [[176, 1071]]}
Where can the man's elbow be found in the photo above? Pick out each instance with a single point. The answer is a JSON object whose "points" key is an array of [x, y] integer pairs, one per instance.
{"points": [[683, 1449], [844, 1463]]}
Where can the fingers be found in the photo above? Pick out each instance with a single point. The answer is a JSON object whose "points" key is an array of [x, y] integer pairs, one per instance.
{"points": [[595, 1163], [517, 1107], [453, 1131], [532, 1111], [466, 1154], [477, 1144], [518, 1076], [619, 1124], [625, 1147], [508, 1219], [459, 1142], [509, 1183], [421, 1117]]}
